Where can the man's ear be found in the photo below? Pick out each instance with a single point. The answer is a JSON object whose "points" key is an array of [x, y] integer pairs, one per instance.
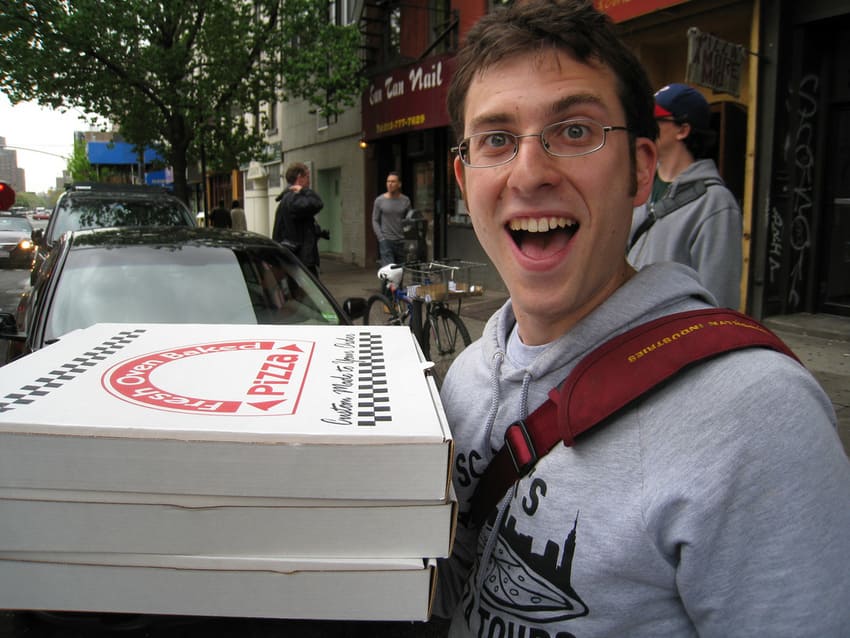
{"points": [[646, 158], [459, 173], [684, 130], [460, 176]]}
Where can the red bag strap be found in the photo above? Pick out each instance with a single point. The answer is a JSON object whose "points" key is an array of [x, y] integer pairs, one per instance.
{"points": [[608, 379]]}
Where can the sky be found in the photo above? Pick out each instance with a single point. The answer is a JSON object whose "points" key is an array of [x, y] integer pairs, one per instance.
{"points": [[27, 125]]}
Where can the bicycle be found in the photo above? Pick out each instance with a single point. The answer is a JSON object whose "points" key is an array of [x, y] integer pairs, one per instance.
{"points": [[424, 304]]}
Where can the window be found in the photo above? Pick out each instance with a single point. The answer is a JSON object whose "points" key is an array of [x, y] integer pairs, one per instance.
{"points": [[341, 12], [273, 117]]}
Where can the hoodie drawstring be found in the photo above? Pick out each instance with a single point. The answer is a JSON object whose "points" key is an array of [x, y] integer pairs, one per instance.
{"points": [[493, 536], [495, 393]]}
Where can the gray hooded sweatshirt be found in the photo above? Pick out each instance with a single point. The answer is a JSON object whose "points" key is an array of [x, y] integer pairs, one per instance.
{"points": [[704, 234], [717, 505]]}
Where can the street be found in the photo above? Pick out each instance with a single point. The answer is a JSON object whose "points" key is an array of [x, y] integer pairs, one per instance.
{"points": [[13, 281]]}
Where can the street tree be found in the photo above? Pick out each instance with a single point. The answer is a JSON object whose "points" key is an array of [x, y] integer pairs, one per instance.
{"points": [[179, 75], [79, 166]]}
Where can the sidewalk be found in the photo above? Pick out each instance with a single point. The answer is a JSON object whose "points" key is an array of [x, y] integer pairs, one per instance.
{"points": [[822, 342], [347, 280]]}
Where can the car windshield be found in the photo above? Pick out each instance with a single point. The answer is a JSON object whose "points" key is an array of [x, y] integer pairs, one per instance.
{"points": [[18, 224], [80, 212], [184, 284]]}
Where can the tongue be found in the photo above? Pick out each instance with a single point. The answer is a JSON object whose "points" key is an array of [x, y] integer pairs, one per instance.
{"points": [[541, 245]]}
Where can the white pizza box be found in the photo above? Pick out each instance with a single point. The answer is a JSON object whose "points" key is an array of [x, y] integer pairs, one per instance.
{"points": [[313, 412], [112, 522], [365, 589]]}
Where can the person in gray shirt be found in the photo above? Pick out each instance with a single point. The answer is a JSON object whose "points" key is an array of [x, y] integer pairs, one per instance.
{"points": [[389, 211], [691, 217], [716, 505]]}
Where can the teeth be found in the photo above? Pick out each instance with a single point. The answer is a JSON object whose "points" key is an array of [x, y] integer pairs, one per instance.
{"points": [[542, 225]]}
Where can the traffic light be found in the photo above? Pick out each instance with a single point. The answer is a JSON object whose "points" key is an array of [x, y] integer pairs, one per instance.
{"points": [[7, 196]]}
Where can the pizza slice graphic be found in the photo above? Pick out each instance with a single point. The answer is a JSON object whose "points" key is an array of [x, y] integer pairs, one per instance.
{"points": [[536, 593]]}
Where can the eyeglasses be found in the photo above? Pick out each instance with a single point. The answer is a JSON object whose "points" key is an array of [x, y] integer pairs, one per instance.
{"points": [[570, 138]]}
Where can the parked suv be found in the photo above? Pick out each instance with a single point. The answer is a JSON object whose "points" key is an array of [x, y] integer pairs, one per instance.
{"points": [[95, 205]]}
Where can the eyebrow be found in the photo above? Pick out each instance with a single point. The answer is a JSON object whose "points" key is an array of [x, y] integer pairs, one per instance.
{"points": [[557, 109]]}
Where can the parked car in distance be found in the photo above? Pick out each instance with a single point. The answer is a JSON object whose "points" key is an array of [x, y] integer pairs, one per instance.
{"points": [[96, 205], [165, 275], [16, 243]]}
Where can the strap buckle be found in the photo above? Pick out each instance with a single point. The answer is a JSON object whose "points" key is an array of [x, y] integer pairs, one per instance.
{"points": [[520, 448]]}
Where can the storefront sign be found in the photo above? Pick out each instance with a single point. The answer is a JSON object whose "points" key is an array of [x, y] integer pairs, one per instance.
{"points": [[621, 10], [408, 98], [714, 63]]}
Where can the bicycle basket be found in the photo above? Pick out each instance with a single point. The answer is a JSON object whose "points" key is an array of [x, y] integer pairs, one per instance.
{"points": [[439, 280]]}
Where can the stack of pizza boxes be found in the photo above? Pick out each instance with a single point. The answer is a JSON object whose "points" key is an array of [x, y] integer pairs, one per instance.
{"points": [[262, 471]]}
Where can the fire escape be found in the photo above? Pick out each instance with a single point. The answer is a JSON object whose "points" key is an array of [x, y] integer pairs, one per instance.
{"points": [[387, 28]]}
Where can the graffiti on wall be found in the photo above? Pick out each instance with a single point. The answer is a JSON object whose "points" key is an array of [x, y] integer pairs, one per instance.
{"points": [[801, 143], [774, 252]]}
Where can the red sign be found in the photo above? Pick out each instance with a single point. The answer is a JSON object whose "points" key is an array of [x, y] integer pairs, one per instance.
{"points": [[408, 98], [7, 196], [622, 10]]}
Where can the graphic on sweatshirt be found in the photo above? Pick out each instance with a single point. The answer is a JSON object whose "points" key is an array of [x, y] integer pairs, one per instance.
{"points": [[530, 586]]}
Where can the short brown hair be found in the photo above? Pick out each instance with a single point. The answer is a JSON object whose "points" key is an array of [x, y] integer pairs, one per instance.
{"points": [[535, 26], [294, 171]]}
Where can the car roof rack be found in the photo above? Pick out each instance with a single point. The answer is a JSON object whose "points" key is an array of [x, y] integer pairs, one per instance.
{"points": [[108, 187]]}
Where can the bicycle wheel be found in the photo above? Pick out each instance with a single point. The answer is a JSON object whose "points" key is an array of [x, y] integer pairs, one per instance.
{"points": [[446, 336], [381, 312]]}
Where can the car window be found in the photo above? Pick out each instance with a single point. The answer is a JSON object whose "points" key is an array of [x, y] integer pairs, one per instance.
{"points": [[15, 223], [84, 211], [183, 284]]}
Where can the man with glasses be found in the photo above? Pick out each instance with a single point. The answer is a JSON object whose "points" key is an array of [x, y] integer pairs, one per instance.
{"points": [[716, 505], [691, 217]]}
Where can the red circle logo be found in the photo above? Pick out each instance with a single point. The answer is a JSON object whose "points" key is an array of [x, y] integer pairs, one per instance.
{"points": [[241, 377]]}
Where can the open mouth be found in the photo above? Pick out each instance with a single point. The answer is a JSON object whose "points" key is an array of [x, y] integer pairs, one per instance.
{"points": [[540, 237]]}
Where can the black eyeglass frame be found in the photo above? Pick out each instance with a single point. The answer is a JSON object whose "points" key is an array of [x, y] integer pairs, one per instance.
{"points": [[464, 143]]}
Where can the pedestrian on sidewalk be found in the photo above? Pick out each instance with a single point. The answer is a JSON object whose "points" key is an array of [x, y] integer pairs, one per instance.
{"points": [[220, 216], [237, 216], [295, 219], [388, 212], [691, 217]]}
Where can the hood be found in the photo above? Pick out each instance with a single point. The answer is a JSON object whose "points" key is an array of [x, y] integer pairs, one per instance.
{"points": [[700, 170], [655, 291]]}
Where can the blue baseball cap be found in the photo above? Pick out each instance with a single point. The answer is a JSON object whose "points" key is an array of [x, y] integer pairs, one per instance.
{"points": [[684, 104]]}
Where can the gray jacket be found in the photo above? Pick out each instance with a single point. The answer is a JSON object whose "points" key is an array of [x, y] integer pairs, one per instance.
{"points": [[704, 234], [718, 505]]}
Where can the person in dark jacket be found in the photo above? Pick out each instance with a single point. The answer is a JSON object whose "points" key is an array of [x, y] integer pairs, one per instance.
{"points": [[295, 219], [220, 216]]}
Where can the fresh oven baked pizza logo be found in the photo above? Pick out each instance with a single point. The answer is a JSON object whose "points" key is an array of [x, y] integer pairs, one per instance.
{"points": [[237, 377]]}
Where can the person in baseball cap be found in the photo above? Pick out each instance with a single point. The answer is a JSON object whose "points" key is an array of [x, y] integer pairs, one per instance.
{"points": [[684, 104], [691, 217]]}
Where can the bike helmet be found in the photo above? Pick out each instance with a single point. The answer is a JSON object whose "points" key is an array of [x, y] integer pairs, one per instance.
{"points": [[391, 273]]}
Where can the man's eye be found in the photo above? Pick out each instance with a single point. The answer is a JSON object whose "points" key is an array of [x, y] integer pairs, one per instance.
{"points": [[495, 141], [575, 132]]}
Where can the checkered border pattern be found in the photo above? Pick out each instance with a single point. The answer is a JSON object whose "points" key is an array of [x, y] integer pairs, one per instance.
{"points": [[67, 371], [373, 401]]}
